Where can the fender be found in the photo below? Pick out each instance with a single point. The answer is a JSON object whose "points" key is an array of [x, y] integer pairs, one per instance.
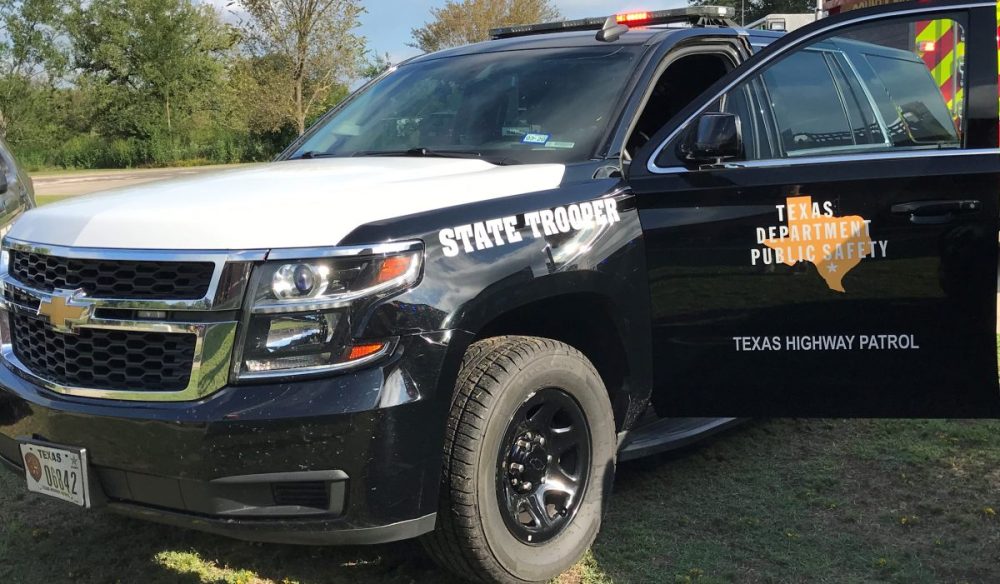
{"points": [[581, 240]]}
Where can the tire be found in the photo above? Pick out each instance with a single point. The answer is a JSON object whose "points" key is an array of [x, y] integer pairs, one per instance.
{"points": [[490, 528]]}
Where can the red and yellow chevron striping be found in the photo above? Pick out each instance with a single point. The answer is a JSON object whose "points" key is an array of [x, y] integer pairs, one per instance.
{"points": [[940, 45]]}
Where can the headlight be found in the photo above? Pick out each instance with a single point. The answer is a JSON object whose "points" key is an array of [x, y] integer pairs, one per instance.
{"points": [[300, 310]]}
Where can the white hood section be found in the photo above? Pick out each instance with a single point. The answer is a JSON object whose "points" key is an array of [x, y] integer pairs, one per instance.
{"points": [[302, 203]]}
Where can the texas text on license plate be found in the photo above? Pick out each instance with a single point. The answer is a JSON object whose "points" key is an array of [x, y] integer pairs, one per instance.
{"points": [[56, 471]]}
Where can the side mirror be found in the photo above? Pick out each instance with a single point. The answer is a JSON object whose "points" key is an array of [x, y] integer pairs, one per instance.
{"points": [[713, 138]]}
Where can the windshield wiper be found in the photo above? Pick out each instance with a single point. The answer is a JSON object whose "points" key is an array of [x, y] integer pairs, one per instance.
{"points": [[414, 152], [421, 153], [313, 154]]}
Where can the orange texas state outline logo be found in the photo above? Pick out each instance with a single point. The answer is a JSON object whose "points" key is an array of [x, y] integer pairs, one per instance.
{"points": [[812, 233]]}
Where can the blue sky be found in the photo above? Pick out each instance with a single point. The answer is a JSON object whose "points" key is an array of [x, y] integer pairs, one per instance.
{"points": [[388, 22]]}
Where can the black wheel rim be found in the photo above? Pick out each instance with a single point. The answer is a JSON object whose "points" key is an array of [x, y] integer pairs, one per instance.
{"points": [[543, 466]]}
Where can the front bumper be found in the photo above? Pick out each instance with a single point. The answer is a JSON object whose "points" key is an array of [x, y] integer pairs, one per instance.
{"points": [[349, 459]]}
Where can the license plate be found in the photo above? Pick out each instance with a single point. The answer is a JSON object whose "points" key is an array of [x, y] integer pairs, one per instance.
{"points": [[55, 471]]}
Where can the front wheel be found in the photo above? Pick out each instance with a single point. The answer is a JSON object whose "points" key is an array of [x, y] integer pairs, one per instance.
{"points": [[528, 460]]}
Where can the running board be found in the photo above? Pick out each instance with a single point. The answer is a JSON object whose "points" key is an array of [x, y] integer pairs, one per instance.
{"points": [[669, 434]]}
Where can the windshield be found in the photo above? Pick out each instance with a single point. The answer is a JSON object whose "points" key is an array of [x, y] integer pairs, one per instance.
{"points": [[528, 106]]}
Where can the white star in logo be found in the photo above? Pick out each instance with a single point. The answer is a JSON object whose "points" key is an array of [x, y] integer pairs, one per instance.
{"points": [[831, 268]]}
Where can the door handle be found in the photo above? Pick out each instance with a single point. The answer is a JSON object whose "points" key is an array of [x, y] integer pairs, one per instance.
{"points": [[936, 212]]}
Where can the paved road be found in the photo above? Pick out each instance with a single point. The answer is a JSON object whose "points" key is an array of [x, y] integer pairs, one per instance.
{"points": [[84, 182]]}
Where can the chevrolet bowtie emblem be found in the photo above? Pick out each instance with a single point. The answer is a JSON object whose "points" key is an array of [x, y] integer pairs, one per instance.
{"points": [[65, 312]]}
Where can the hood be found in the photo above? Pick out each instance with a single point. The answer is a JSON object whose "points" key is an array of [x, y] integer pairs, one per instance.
{"points": [[300, 203]]}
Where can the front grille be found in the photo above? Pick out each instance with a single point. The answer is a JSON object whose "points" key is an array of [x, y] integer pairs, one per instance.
{"points": [[108, 359], [18, 296], [124, 279]]}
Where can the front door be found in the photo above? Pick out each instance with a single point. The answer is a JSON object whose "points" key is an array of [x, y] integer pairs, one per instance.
{"points": [[843, 260]]}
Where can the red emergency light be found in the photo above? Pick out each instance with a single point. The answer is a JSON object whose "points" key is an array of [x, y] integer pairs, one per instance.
{"points": [[633, 18]]}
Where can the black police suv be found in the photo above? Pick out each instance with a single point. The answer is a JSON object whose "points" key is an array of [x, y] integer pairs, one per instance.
{"points": [[449, 309]]}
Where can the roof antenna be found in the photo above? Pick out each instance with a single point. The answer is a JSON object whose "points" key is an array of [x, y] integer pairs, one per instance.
{"points": [[611, 31]]}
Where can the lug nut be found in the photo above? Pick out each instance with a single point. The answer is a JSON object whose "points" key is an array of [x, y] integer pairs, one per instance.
{"points": [[526, 485], [541, 440], [516, 468]]}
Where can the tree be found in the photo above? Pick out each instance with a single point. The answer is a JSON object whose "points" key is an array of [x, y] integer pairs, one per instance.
{"points": [[460, 22], [148, 62], [313, 43], [31, 46], [376, 65], [748, 11], [33, 56]]}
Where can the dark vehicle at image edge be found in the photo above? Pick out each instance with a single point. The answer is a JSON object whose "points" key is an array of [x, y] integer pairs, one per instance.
{"points": [[449, 308]]}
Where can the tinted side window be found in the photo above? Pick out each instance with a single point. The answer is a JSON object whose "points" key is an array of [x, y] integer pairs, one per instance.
{"points": [[920, 116], [869, 88], [806, 103], [864, 122], [737, 102]]}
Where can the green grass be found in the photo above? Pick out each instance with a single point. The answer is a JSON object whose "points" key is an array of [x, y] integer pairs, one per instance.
{"points": [[775, 501], [816, 501]]}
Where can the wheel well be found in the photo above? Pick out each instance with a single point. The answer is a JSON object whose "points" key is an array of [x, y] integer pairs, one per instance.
{"points": [[582, 321]]}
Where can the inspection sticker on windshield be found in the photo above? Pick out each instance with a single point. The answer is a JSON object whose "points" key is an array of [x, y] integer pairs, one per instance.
{"points": [[535, 138]]}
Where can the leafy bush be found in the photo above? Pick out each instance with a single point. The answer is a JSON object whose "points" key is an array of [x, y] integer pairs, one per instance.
{"points": [[89, 151]]}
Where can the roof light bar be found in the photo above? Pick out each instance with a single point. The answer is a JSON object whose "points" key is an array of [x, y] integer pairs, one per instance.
{"points": [[632, 18], [695, 15]]}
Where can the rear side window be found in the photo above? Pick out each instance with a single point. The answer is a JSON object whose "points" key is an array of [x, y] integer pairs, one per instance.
{"points": [[806, 100], [913, 107]]}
